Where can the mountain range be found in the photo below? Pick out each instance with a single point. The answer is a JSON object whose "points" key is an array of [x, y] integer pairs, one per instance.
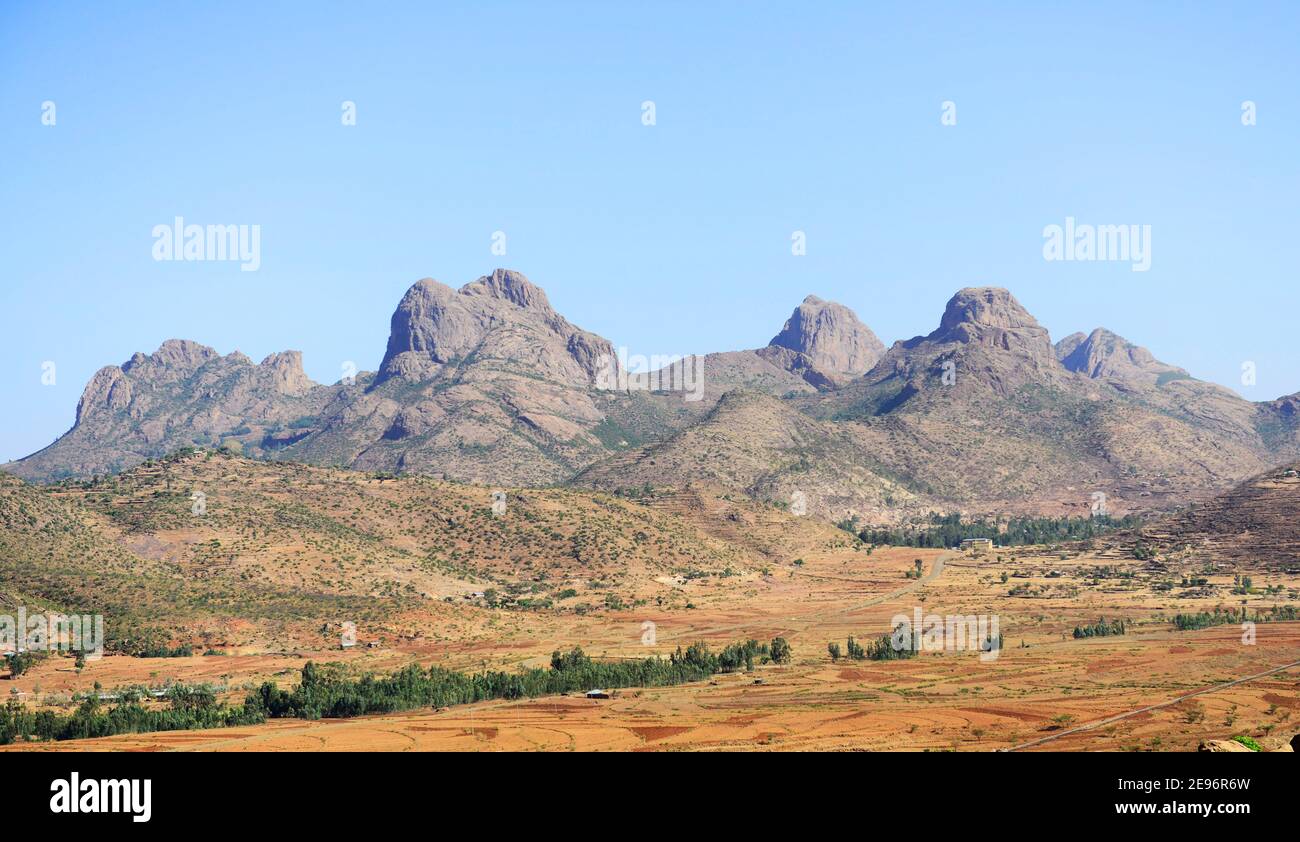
{"points": [[488, 384]]}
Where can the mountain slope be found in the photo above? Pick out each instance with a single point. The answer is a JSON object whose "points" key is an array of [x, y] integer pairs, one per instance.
{"points": [[1257, 523], [486, 383], [1102, 355], [765, 448], [278, 549], [982, 416]]}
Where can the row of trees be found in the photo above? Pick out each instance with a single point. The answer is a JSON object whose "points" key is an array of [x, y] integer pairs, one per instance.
{"points": [[1221, 616], [882, 648], [191, 707], [950, 530], [326, 693], [1101, 628]]}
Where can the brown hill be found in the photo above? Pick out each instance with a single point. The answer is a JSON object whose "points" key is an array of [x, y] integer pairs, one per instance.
{"points": [[1256, 523], [278, 551], [769, 450], [183, 394]]}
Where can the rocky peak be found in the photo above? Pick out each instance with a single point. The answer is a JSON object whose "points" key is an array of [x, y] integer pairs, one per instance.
{"points": [[985, 307], [180, 356], [832, 338], [511, 286], [502, 314], [428, 324], [108, 390], [1105, 355], [286, 372], [992, 317], [1067, 346]]}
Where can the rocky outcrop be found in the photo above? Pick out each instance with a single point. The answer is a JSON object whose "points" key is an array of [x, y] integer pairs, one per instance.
{"points": [[985, 342], [503, 313], [108, 391], [827, 340], [285, 373], [175, 359], [183, 394], [821, 347], [992, 317], [1103, 355]]}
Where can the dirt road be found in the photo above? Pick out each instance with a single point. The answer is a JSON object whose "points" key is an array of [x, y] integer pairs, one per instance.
{"points": [[1119, 716]]}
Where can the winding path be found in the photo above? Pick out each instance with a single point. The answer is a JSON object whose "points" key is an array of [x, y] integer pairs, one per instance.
{"points": [[936, 570]]}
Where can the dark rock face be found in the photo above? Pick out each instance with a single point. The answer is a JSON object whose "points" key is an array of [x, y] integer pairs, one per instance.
{"points": [[1288, 406]]}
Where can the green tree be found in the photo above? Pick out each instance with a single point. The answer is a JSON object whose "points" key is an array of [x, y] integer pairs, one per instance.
{"points": [[19, 663]]}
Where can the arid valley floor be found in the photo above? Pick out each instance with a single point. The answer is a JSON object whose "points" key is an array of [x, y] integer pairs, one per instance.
{"points": [[802, 579]]}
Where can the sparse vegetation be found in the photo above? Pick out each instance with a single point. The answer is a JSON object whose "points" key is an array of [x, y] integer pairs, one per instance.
{"points": [[1248, 742]]}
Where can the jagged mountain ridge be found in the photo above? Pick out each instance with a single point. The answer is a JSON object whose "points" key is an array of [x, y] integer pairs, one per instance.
{"points": [[489, 384], [981, 415], [183, 394]]}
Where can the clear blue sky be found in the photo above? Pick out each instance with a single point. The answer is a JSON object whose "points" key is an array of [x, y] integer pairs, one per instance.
{"points": [[674, 238]]}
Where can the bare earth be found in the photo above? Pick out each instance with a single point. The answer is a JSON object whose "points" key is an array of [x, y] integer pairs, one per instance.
{"points": [[936, 701]]}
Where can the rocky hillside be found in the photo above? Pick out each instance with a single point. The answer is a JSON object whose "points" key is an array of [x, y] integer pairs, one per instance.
{"points": [[1102, 355], [486, 383], [766, 448], [1253, 524], [489, 384], [983, 415], [276, 551]]}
